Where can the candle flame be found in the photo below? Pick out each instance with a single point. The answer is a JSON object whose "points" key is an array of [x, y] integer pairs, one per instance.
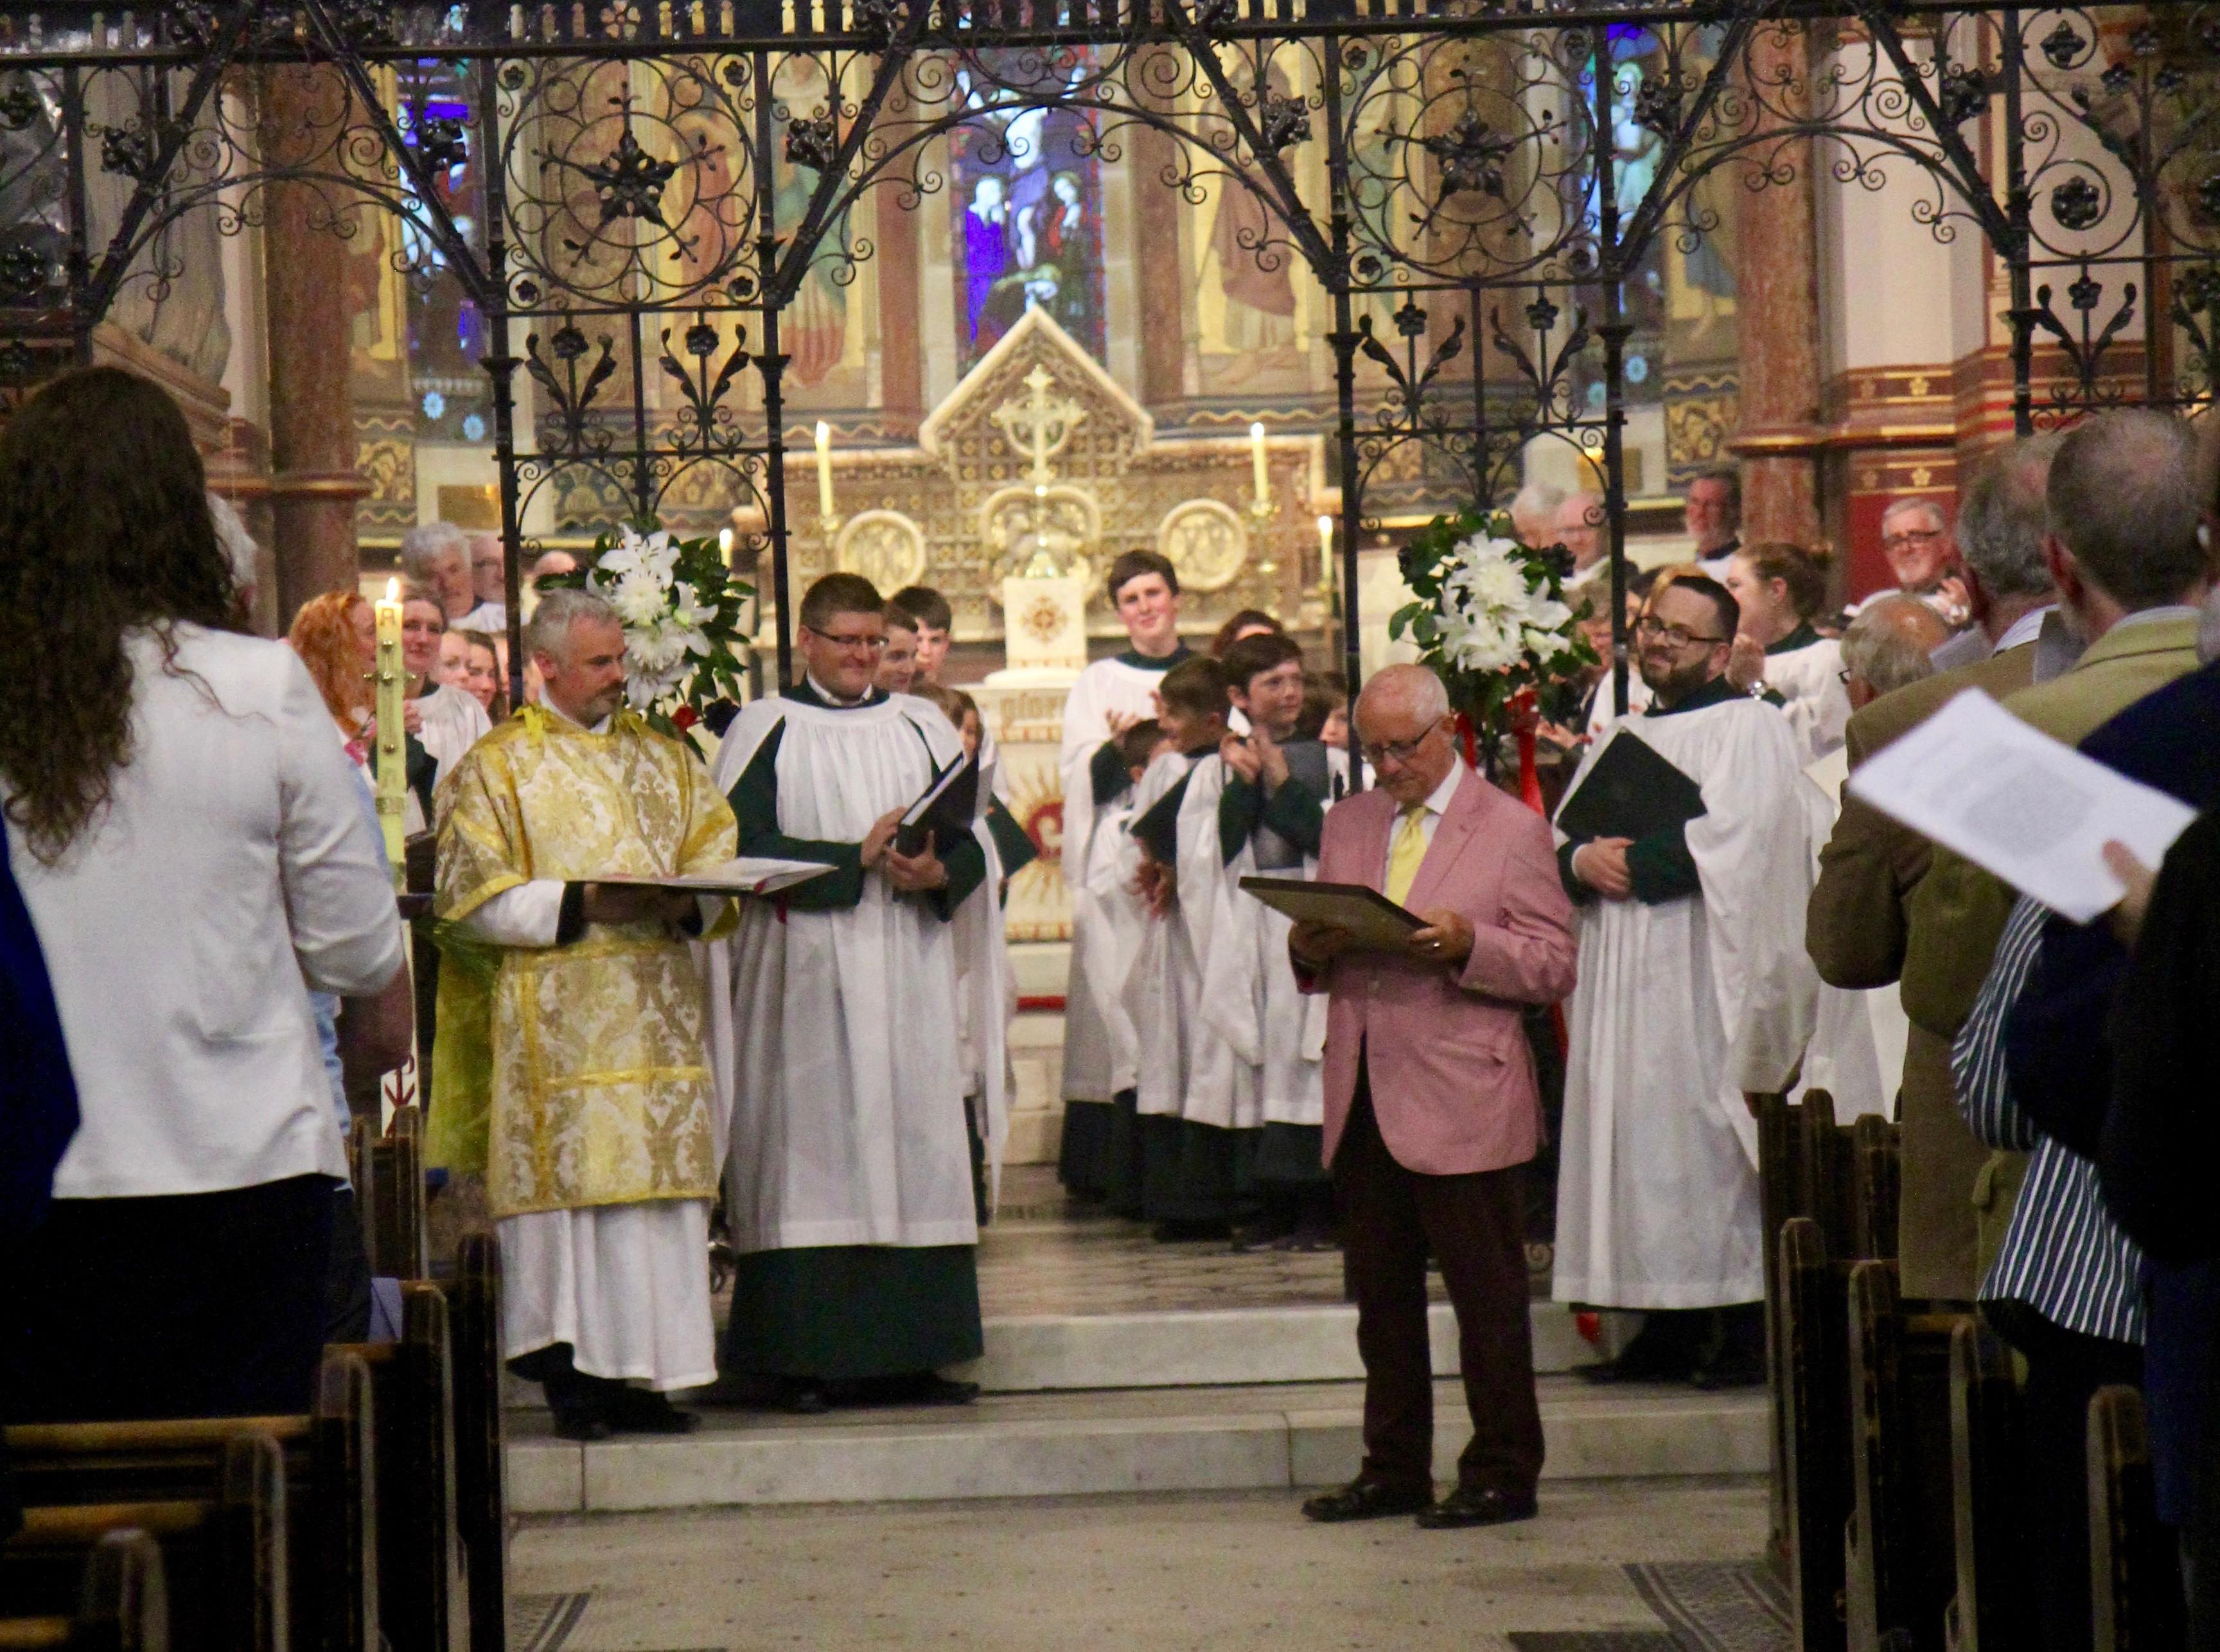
{"points": [[1326, 526], [824, 432], [393, 590], [1257, 431]]}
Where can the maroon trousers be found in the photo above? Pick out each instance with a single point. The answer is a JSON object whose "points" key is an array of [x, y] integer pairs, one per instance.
{"points": [[1476, 1226]]}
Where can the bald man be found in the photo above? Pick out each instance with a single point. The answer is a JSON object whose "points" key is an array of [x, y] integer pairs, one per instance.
{"points": [[1432, 1112]]}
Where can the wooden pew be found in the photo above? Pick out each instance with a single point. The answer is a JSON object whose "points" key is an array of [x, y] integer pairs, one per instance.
{"points": [[388, 1172], [2135, 1586], [326, 1465], [481, 1462], [1898, 1574], [422, 1604], [1808, 1332], [224, 1555], [1992, 1608], [122, 1605]]}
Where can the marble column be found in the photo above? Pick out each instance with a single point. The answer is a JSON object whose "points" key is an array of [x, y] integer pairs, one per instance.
{"points": [[1777, 281], [314, 484]]}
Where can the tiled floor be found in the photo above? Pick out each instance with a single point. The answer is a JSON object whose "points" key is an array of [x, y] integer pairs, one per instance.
{"points": [[1044, 1255], [1227, 1572]]}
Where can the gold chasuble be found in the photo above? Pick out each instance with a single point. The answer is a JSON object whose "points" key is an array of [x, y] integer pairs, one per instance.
{"points": [[599, 1091]]}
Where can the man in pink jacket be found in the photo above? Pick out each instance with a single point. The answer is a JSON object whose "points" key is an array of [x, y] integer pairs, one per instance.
{"points": [[1432, 1112]]}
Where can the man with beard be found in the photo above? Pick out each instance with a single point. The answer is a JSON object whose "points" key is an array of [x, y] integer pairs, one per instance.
{"points": [[1686, 936]]}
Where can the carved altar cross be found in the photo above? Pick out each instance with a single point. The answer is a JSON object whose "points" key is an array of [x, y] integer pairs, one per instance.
{"points": [[1041, 422]]}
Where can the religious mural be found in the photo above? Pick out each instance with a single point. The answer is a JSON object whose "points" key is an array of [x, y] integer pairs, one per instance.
{"points": [[1026, 193]]}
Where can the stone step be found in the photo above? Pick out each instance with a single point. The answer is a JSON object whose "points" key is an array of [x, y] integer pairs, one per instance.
{"points": [[1190, 1349], [1278, 1435]]}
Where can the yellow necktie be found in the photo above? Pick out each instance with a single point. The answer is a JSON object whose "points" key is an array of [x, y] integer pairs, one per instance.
{"points": [[1408, 850]]}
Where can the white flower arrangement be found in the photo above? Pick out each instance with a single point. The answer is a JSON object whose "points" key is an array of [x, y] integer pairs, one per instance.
{"points": [[681, 611], [1489, 617]]}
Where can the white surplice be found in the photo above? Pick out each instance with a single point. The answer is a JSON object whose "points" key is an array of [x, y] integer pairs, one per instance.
{"points": [[837, 1035], [1249, 991], [1675, 1015], [1185, 1067], [1856, 1053], [986, 1003], [1114, 939], [450, 722], [1809, 681], [1106, 688]]}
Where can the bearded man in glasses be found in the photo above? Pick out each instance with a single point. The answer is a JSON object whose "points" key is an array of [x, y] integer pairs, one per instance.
{"points": [[1694, 992], [848, 1191]]}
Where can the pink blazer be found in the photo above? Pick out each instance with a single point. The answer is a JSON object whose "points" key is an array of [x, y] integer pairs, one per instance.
{"points": [[1452, 1079]]}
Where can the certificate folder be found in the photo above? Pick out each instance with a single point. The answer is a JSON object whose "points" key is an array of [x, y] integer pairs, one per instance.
{"points": [[1377, 921], [1629, 792]]}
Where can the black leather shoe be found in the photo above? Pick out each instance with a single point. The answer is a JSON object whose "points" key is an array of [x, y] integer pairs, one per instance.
{"points": [[1472, 1506], [579, 1422], [642, 1410], [1366, 1499]]}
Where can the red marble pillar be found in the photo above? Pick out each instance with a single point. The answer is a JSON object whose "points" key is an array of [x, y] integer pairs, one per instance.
{"points": [[902, 339], [1777, 283], [314, 484]]}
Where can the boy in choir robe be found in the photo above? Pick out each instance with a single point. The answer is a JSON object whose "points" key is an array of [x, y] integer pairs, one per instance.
{"points": [[1694, 993], [1270, 816], [849, 1181], [1196, 1097], [1111, 695], [600, 1148], [1112, 877], [897, 672], [936, 621]]}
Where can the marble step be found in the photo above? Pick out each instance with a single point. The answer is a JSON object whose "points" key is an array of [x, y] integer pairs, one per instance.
{"points": [[1189, 1349], [1278, 1436]]}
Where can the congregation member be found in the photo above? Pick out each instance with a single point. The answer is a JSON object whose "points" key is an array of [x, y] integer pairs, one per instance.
{"points": [[849, 1195], [335, 636], [1533, 511], [489, 566], [483, 679], [1857, 919], [445, 719], [1922, 558], [1858, 1037], [1712, 514], [935, 627], [1430, 1105], [1195, 1096], [180, 817], [1249, 622], [600, 1157], [1579, 528], [1685, 934], [1779, 589], [437, 556], [1111, 695], [1270, 811], [2123, 498], [898, 661]]}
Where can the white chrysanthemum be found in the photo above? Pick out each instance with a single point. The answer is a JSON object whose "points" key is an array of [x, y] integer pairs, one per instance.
{"points": [[639, 598], [656, 648]]}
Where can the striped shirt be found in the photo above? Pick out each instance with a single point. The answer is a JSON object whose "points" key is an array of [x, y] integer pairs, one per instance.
{"points": [[2062, 1254]]}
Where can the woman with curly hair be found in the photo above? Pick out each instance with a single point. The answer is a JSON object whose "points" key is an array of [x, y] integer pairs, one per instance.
{"points": [[195, 857]]}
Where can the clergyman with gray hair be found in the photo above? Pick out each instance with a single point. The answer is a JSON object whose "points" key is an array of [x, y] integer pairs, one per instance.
{"points": [[594, 1134], [1855, 926], [437, 555]]}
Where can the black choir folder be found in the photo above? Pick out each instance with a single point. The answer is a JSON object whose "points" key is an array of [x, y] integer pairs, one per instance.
{"points": [[1630, 792], [943, 813], [1377, 921]]}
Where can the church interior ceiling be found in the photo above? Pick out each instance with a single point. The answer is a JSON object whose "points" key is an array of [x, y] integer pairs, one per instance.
{"points": [[635, 249]]}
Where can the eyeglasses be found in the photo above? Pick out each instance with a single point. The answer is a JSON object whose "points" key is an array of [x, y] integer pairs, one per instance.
{"points": [[855, 643], [1911, 537], [1377, 752], [1674, 636]]}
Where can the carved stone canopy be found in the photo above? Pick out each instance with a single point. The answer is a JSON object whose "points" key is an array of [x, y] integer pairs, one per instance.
{"points": [[1038, 460]]}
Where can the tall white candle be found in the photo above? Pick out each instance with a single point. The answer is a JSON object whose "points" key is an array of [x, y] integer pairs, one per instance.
{"points": [[824, 469], [392, 753], [1257, 462], [725, 545], [1325, 549]]}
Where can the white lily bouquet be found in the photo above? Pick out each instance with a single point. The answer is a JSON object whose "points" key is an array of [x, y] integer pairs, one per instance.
{"points": [[682, 611], [1490, 619]]}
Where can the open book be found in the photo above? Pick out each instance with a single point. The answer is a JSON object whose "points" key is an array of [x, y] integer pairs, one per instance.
{"points": [[749, 875], [943, 813]]}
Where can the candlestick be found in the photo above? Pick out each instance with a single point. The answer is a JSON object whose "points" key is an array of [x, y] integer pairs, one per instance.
{"points": [[1262, 501], [392, 752], [825, 471]]}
